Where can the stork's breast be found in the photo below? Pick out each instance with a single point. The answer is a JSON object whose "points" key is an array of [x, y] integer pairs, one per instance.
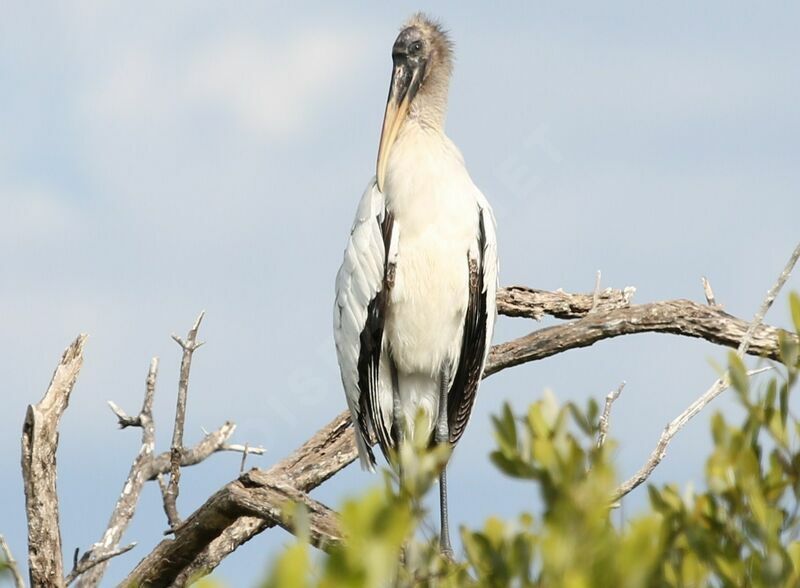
{"points": [[425, 314]]}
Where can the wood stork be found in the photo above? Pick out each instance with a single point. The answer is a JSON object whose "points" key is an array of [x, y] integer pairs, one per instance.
{"points": [[415, 295]]}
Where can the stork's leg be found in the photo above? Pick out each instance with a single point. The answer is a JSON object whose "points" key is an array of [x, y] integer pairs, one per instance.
{"points": [[442, 435]]}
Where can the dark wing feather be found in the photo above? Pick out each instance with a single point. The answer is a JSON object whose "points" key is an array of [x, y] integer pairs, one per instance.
{"points": [[358, 315], [369, 358], [474, 343]]}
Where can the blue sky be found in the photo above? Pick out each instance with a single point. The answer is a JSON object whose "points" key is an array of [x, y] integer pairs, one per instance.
{"points": [[156, 160]]}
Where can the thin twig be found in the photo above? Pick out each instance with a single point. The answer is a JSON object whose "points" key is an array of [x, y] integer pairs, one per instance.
{"points": [[244, 458], [716, 389], [246, 448], [238, 447], [11, 563], [606, 416], [90, 560], [171, 496], [138, 474], [162, 486], [596, 295], [709, 292], [122, 417], [772, 294], [213, 442], [671, 429]]}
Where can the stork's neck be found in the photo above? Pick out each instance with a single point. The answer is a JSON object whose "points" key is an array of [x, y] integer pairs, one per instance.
{"points": [[429, 107]]}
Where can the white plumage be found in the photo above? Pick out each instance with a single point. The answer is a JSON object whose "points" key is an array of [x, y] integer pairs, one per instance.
{"points": [[415, 295]]}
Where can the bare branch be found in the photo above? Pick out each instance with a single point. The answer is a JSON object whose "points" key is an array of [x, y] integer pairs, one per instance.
{"points": [[148, 466], [267, 498], [669, 432], [226, 543], [11, 563], [190, 551], [90, 560], [606, 416], [772, 294], [162, 486], [521, 301], [176, 455], [128, 499], [39, 445], [716, 389], [678, 317], [124, 420], [212, 443], [216, 529], [596, 295], [709, 292], [244, 458], [246, 449]]}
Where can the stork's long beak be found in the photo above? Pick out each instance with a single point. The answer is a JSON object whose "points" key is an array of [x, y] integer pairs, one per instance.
{"points": [[404, 86]]}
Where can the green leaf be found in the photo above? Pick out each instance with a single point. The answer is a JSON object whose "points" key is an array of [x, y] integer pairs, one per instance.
{"points": [[291, 569], [789, 350], [738, 374], [718, 428], [794, 305], [584, 422], [784, 400]]}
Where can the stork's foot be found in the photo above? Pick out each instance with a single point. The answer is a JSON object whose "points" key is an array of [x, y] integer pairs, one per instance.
{"points": [[446, 550]]}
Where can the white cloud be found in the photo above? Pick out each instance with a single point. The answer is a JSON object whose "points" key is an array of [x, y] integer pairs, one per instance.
{"points": [[33, 214], [270, 87]]}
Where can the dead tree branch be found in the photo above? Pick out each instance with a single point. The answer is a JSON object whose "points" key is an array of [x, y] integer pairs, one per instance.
{"points": [[716, 389], [91, 560], [129, 497], [176, 454], [11, 564], [670, 431], [521, 301], [146, 467], [194, 549], [268, 499], [220, 526], [605, 417], [709, 292], [39, 445], [678, 317]]}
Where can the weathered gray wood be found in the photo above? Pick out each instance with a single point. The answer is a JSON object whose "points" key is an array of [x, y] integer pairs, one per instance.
{"points": [[327, 452], [39, 446], [170, 492], [215, 529], [678, 317], [128, 499]]}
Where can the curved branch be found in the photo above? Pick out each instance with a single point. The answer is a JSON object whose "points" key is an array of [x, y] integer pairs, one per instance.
{"points": [[716, 389], [327, 452], [521, 301], [222, 524], [677, 317]]}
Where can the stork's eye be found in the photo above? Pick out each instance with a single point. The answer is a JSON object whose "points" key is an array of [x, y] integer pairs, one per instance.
{"points": [[415, 47]]}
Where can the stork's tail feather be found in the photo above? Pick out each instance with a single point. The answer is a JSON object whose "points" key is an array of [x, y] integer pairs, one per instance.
{"points": [[365, 455]]}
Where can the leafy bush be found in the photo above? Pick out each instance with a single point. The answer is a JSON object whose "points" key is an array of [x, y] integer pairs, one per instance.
{"points": [[742, 531]]}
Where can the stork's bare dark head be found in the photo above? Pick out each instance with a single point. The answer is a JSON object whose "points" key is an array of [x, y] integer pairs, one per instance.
{"points": [[422, 60], [423, 45]]}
